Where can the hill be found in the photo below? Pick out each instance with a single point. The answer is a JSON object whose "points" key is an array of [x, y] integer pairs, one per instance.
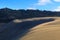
{"points": [[17, 29], [45, 31], [10, 14]]}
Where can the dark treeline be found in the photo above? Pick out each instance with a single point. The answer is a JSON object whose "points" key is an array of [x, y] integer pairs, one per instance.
{"points": [[10, 14]]}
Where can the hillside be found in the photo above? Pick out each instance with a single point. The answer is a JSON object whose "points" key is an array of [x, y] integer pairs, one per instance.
{"points": [[44, 28], [45, 31], [17, 29], [7, 14]]}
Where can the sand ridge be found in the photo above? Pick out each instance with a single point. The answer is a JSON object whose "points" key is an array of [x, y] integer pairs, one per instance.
{"points": [[45, 31]]}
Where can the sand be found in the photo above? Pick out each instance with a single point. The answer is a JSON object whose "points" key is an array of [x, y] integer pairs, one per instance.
{"points": [[44, 28], [45, 31]]}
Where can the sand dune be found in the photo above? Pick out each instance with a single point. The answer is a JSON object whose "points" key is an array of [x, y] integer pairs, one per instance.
{"points": [[47, 28], [45, 31]]}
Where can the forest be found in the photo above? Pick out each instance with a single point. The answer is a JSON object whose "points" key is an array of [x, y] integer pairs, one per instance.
{"points": [[7, 14]]}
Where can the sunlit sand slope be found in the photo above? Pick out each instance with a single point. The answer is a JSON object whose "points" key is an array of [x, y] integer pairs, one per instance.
{"points": [[45, 31]]}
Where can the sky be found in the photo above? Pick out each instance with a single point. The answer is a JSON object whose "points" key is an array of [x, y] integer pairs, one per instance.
{"points": [[52, 5]]}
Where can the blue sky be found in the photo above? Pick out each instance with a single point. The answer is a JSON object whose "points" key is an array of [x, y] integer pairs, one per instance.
{"points": [[53, 5]]}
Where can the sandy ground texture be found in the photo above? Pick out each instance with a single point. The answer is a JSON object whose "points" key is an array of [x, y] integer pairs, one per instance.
{"points": [[45, 31], [46, 28]]}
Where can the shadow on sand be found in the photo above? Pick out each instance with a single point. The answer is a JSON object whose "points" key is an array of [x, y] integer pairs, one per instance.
{"points": [[14, 31]]}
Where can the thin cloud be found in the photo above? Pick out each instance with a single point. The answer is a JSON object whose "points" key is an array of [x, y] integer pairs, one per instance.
{"points": [[31, 8], [57, 9], [43, 2], [57, 0]]}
